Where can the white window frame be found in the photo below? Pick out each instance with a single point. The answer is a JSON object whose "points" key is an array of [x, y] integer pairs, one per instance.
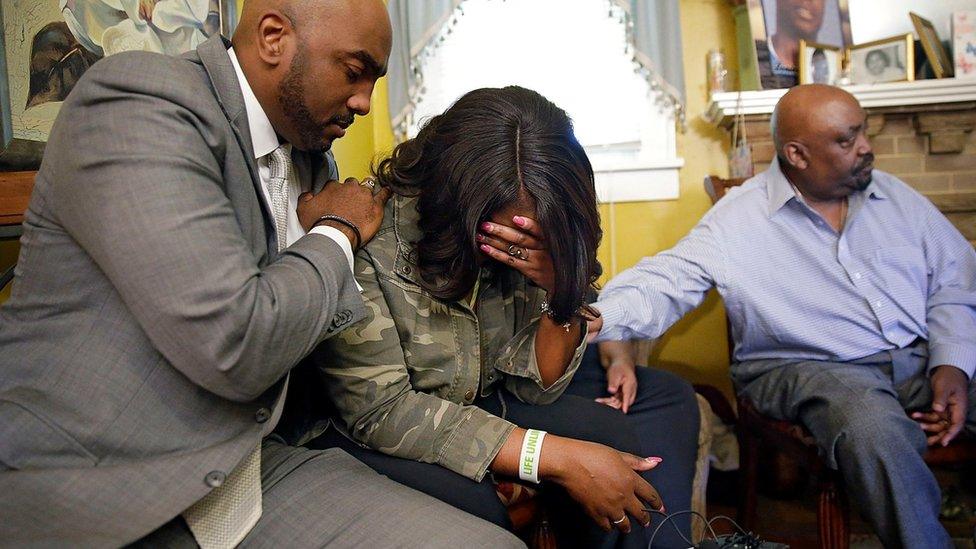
{"points": [[644, 165]]}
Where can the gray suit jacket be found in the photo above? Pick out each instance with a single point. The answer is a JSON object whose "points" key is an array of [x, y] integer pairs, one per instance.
{"points": [[150, 327]]}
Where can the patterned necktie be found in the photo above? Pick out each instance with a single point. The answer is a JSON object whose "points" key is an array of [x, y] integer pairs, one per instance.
{"points": [[225, 516], [280, 163]]}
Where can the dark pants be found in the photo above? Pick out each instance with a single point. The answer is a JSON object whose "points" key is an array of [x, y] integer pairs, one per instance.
{"points": [[663, 422], [856, 411], [666, 420]]}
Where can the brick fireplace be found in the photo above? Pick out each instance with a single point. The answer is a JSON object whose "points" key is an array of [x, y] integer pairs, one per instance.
{"points": [[921, 132]]}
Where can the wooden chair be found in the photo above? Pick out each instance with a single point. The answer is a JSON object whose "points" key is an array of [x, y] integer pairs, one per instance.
{"points": [[757, 432], [15, 190]]}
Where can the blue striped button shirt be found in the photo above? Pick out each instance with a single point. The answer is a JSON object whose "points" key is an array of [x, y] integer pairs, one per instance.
{"points": [[794, 288]]}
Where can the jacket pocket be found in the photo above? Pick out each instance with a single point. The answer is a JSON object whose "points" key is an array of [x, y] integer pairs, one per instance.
{"points": [[30, 441]]}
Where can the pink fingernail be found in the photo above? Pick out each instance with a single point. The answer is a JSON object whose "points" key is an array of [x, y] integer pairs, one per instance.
{"points": [[480, 237], [654, 459], [519, 220], [486, 227], [485, 248]]}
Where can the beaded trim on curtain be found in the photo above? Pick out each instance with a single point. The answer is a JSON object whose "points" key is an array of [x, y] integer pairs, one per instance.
{"points": [[665, 93]]}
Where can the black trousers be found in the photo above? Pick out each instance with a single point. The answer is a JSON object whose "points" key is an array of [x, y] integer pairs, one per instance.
{"points": [[665, 419], [662, 422]]}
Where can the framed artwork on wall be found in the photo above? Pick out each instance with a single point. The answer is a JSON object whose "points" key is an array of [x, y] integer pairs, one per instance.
{"points": [[48, 44], [820, 63], [887, 60]]}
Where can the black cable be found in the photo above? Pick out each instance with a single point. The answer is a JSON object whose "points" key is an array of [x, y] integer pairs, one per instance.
{"points": [[734, 523], [669, 517]]}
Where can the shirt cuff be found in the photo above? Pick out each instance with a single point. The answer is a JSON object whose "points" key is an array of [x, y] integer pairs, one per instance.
{"points": [[960, 356], [612, 312], [342, 241]]}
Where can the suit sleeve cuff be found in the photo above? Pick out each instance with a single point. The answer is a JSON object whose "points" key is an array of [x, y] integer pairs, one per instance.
{"points": [[952, 354], [342, 241]]}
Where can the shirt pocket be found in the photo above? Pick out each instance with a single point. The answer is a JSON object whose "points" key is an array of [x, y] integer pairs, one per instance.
{"points": [[430, 346], [902, 277]]}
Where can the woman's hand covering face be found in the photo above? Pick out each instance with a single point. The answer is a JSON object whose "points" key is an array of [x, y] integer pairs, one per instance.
{"points": [[521, 246]]}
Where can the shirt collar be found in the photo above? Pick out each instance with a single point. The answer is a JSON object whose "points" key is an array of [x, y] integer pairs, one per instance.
{"points": [[780, 190], [263, 136]]}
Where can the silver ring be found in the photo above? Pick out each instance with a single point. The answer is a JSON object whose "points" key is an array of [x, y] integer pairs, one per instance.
{"points": [[368, 182], [515, 251], [621, 519]]}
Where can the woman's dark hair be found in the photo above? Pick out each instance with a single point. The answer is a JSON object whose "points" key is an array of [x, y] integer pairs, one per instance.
{"points": [[492, 149]]}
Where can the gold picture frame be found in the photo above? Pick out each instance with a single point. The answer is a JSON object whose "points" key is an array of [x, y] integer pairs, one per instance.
{"points": [[833, 62], [936, 54], [887, 60]]}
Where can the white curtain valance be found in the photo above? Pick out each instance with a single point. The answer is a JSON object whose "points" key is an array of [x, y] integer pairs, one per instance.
{"points": [[421, 26]]}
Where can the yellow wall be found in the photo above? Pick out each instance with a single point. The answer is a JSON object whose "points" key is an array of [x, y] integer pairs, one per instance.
{"points": [[696, 347]]}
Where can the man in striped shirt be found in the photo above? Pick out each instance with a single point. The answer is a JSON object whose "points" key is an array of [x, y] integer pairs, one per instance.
{"points": [[852, 302]]}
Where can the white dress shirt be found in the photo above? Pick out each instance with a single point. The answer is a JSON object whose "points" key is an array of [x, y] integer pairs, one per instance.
{"points": [[265, 141]]}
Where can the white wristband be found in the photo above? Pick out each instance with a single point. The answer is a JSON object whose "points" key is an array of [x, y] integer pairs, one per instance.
{"points": [[529, 457]]}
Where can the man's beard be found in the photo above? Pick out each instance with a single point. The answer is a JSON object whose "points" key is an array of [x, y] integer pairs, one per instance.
{"points": [[291, 97], [862, 172]]}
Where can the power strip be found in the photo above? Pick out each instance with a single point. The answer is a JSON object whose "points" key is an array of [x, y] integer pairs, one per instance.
{"points": [[739, 541]]}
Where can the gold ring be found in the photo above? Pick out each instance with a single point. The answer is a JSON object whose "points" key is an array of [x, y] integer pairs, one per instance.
{"points": [[621, 519]]}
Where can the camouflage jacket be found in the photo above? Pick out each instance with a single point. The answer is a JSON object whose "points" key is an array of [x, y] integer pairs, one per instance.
{"points": [[403, 378]]}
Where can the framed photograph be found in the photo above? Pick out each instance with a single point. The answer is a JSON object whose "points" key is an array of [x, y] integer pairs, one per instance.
{"points": [[888, 60], [936, 54], [820, 63], [777, 26], [49, 44]]}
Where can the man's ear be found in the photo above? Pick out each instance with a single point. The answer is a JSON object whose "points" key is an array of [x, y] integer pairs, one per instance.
{"points": [[275, 36], [796, 155]]}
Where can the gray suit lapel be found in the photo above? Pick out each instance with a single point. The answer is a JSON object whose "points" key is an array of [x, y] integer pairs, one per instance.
{"points": [[215, 60]]}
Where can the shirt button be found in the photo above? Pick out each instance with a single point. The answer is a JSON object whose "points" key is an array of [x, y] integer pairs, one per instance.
{"points": [[878, 304], [405, 269], [469, 395], [857, 276], [215, 478], [262, 415]]}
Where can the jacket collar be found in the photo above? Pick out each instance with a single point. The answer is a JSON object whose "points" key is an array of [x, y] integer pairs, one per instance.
{"points": [[406, 229], [227, 89]]}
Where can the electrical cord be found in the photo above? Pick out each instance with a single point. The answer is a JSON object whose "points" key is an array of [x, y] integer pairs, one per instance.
{"points": [[746, 539], [669, 518]]}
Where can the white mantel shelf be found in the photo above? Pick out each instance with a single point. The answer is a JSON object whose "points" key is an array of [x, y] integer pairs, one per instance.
{"points": [[725, 106]]}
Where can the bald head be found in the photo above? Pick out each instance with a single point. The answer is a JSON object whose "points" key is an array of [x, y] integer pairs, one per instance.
{"points": [[303, 12], [800, 111], [312, 64], [820, 136]]}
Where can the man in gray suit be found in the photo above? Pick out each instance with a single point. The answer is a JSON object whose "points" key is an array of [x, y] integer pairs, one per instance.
{"points": [[166, 286]]}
